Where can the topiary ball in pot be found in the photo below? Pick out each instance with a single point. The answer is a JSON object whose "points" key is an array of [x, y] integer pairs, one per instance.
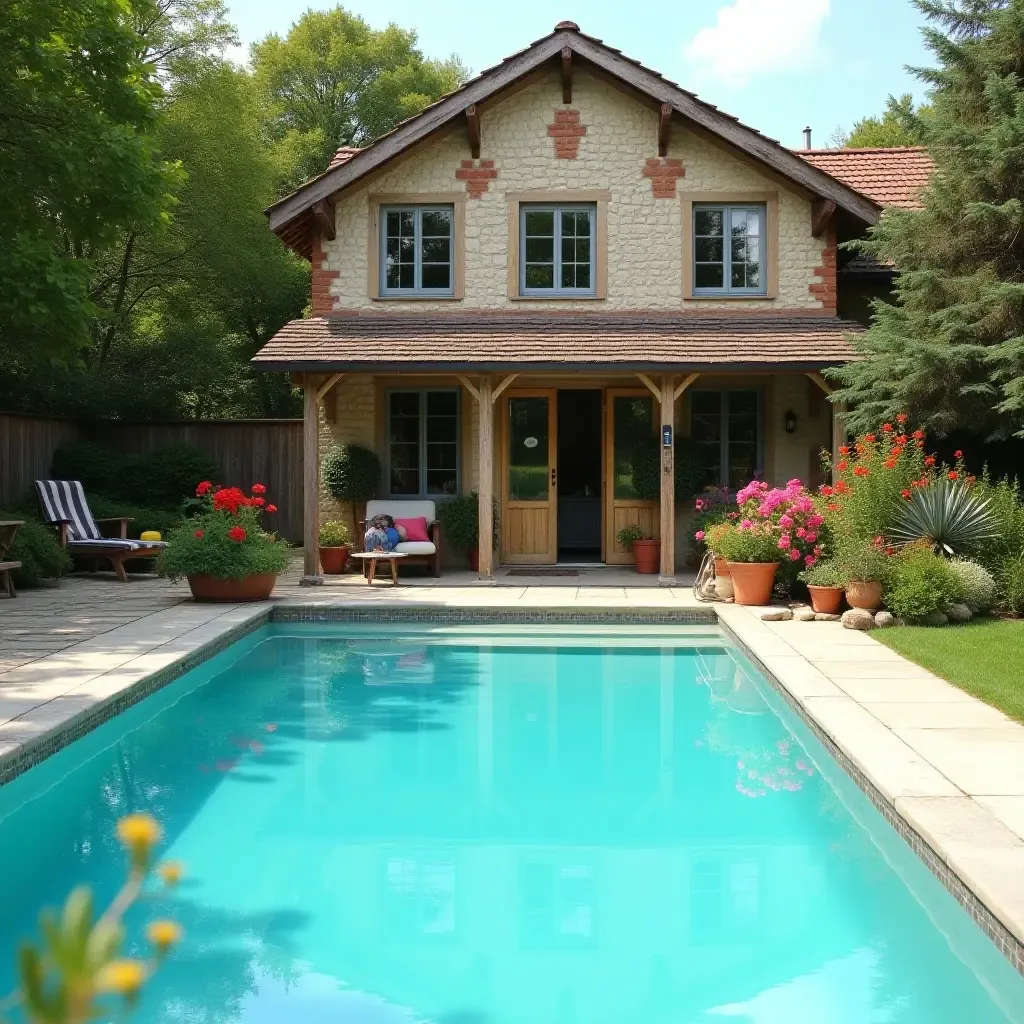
{"points": [[351, 473]]}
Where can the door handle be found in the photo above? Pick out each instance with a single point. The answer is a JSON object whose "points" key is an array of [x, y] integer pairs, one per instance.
{"points": [[554, 476]]}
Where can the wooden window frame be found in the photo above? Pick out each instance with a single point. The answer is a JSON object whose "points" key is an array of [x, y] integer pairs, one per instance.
{"points": [[560, 197], [374, 244], [723, 412], [770, 201], [423, 494]]}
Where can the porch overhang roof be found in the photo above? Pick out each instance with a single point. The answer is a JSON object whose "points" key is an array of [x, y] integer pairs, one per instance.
{"points": [[538, 342]]}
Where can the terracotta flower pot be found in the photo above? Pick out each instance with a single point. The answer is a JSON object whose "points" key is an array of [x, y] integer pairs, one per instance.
{"points": [[647, 555], [827, 600], [334, 560], [250, 588], [864, 594], [474, 559], [753, 581], [721, 566]]}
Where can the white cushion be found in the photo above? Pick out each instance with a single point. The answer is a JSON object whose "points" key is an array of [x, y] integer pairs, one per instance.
{"points": [[415, 547], [400, 508]]}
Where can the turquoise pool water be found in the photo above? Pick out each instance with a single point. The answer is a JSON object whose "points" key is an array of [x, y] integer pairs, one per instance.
{"points": [[471, 826]]}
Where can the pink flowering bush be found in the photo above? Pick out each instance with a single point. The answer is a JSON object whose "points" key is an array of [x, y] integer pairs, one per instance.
{"points": [[773, 524]]}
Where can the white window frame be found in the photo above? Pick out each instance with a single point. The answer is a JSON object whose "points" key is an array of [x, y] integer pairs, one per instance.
{"points": [[558, 209], [417, 291], [423, 494], [727, 209]]}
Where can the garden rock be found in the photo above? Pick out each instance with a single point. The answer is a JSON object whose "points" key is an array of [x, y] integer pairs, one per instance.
{"points": [[883, 619], [803, 614], [826, 617], [858, 618], [935, 619], [776, 614], [958, 613]]}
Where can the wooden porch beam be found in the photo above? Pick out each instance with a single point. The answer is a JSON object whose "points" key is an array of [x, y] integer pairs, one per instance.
{"points": [[485, 485], [821, 382], [686, 382], [323, 216], [649, 384], [327, 385], [469, 386], [822, 211], [504, 384], [473, 128], [311, 482], [664, 123], [566, 74], [667, 576]]}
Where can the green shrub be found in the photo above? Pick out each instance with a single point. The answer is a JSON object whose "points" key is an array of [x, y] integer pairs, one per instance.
{"points": [[629, 535], [921, 582], [860, 562], [460, 521], [351, 472], [334, 534], [143, 517], [647, 469], [37, 548], [824, 574], [978, 583], [99, 469], [759, 543], [1004, 497], [1011, 583]]}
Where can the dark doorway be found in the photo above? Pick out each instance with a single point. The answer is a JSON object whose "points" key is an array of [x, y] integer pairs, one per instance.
{"points": [[579, 476]]}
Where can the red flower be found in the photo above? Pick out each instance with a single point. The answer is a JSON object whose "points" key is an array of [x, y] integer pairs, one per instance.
{"points": [[905, 493], [833, 507], [203, 488], [902, 418], [843, 466], [887, 428], [842, 487], [826, 490], [258, 489], [271, 508], [890, 464], [844, 449], [870, 438], [919, 444], [930, 460], [198, 534], [237, 533], [953, 475], [230, 499], [918, 435], [860, 471], [259, 502], [958, 454]]}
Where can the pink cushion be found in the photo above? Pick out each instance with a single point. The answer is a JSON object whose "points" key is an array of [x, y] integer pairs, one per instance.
{"points": [[416, 529]]}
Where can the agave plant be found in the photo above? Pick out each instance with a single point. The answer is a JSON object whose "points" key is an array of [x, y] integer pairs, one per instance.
{"points": [[948, 516]]}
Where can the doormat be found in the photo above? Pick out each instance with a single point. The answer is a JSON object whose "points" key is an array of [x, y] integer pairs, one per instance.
{"points": [[543, 571]]}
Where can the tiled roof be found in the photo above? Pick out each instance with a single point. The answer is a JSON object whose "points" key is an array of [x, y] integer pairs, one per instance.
{"points": [[343, 154], [672, 342], [891, 177]]}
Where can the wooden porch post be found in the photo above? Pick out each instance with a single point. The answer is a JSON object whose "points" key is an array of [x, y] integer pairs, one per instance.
{"points": [[667, 577], [485, 485], [310, 483]]}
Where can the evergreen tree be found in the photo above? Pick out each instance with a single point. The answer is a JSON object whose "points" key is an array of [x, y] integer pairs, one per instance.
{"points": [[898, 126], [950, 349]]}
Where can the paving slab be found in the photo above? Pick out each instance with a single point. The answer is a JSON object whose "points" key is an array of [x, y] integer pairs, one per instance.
{"points": [[986, 762]]}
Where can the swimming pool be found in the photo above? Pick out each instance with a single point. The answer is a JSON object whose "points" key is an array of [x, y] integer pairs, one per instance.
{"points": [[476, 825]]}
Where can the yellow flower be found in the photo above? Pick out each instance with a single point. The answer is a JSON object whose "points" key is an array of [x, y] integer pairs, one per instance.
{"points": [[124, 976], [164, 934], [171, 871], [138, 830]]}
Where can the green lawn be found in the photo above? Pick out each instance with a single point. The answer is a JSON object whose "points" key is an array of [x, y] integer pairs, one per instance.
{"points": [[985, 658]]}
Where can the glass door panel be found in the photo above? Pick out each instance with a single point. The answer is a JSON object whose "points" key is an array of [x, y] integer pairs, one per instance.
{"points": [[529, 504]]}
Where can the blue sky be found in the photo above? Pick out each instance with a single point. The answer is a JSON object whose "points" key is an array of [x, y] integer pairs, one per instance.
{"points": [[775, 64]]}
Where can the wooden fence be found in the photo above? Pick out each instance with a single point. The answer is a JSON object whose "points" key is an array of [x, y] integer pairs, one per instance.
{"points": [[247, 451]]}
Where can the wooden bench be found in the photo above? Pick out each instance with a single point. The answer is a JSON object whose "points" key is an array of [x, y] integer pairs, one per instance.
{"points": [[8, 529]]}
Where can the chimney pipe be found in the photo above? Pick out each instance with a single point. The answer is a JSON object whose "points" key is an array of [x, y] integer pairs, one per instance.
{"points": [[807, 137]]}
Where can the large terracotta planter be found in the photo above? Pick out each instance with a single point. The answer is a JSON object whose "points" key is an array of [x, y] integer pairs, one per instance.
{"points": [[334, 560], [250, 588], [647, 555], [866, 595], [752, 581], [827, 600]]}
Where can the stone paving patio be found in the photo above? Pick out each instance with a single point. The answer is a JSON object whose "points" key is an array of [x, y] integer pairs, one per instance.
{"points": [[949, 766]]}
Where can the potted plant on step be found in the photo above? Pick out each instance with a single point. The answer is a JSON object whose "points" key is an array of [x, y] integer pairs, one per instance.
{"points": [[825, 584], [460, 525], [646, 550], [864, 567], [335, 544], [223, 550], [751, 552]]}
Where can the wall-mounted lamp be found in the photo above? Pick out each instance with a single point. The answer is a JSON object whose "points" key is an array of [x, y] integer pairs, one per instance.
{"points": [[789, 421]]}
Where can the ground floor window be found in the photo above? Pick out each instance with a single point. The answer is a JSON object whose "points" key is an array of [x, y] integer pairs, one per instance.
{"points": [[423, 443], [727, 436]]}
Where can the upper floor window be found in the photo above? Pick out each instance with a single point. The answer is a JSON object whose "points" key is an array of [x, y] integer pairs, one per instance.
{"points": [[728, 250], [423, 443], [556, 245], [416, 244]]}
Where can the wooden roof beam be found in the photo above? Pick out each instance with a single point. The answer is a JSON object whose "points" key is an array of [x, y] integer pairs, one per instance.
{"points": [[664, 122], [566, 74], [473, 128], [822, 211], [323, 216]]}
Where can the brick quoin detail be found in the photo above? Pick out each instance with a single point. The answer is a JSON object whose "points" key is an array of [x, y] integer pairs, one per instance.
{"points": [[476, 177], [663, 173], [824, 289], [323, 301], [567, 131]]}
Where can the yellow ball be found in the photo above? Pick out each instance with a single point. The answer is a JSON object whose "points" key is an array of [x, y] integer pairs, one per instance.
{"points": [[149, 535]]}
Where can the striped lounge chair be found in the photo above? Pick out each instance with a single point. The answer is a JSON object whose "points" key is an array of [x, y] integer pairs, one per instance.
{"points": [[64, 506]]}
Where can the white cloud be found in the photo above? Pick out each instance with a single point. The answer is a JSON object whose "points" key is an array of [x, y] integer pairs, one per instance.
{"points": [[751, 37]]}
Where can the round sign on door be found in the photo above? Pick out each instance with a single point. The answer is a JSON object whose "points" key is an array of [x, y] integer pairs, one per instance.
{"points": [[530, 442]]}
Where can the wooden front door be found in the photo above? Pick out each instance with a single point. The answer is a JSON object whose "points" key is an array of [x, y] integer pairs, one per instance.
{"points": [[529, 477], [631, 430]]}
